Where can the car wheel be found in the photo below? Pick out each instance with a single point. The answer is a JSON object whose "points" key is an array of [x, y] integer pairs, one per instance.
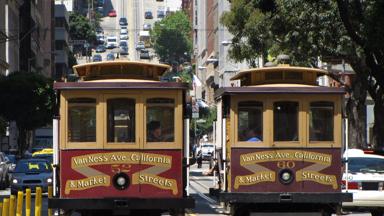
{"points": [[377, 213]]}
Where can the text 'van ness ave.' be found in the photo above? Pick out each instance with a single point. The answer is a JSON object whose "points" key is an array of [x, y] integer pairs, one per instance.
{"points": [[266, 156], [121, 157]]}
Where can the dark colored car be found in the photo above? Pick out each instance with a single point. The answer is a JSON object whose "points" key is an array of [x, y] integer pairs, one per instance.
{"points": [[123, 50], [31, 173], [148, 15], [123, 43], [160, 14], [96, 58], [99, 30], [110, 57], [100, 49], [144, 54], [123, 21]]}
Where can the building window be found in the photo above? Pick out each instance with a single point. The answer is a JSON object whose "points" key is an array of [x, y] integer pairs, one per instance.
{"points": [[121, 120], [250, 121], [285, 121], [160, 120], [82, 120], [321, 121]]}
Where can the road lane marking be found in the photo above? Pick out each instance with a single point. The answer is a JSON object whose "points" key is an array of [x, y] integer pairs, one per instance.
{"points": [[210, 200]]}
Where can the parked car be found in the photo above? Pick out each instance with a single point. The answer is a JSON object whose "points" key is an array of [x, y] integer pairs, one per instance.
{"points": [[147, 27], [160, 14], [99, 31], [124, 50], [148, 15], [100, 49], [140, 45], [110, 57], [100, 39], [112, 13], [111, 42], [207, 150], [144, 54], [100, 10], [5, 165], [123, 21], [365, 182], [97, 58], [31, 173]]}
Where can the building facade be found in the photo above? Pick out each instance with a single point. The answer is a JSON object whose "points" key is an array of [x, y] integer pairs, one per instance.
{"points": [[3, 38], [61, 41]]}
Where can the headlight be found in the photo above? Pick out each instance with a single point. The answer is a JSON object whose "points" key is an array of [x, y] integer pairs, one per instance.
{"points": [[121, 181], [49, 180], [14, 181], [286, 176]]}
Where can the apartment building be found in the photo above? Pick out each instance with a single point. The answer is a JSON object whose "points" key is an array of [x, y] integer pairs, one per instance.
{"points": [[61, 41], [3, 38]]}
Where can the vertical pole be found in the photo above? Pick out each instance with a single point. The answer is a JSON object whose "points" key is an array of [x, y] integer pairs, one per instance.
{"points": [[224, 156], [19, 208], [186, 151], [12, 201], [55, 152], [38, 202], [28, 202], [49, 197], [346, 153], [5, 209]]}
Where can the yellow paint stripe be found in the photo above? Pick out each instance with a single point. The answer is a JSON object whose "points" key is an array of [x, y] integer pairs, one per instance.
{"points": [[190, 212]]}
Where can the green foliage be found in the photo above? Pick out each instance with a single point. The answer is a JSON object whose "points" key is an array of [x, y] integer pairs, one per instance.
{"points": [[80, 28], [28, 99], [171, 38], [209, 115]]}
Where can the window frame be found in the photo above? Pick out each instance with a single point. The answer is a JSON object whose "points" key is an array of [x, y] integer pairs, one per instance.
{"points": [[64, 98], [138, 116], [178, 122], [335, 99], [235, 115]]}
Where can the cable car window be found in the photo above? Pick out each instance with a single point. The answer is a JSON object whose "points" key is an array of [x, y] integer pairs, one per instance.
{"points": [[285, 121], [121, 120], [82, 120], [160, 120], [250, 121], [321, 121]]}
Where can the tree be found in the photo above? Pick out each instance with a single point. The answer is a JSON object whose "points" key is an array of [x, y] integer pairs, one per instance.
{"points": [[80, 28], [305, 30], [28, 99], [171, 38]]}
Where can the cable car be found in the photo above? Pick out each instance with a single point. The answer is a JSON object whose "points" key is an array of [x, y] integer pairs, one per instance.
{"points": [[121, 141], [281, 138]]}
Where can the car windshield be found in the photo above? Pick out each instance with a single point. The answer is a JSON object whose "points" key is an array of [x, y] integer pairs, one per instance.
{"points": [[28, 166], [112, 40], [207, 146], [360, 164]]}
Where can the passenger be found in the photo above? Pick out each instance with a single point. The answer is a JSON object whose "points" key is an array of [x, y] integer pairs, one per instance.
{"points": [[252, 136], [154, 132]]}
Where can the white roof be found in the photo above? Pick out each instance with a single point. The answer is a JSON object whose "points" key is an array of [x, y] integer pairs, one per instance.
{"points": [[144, 33]]}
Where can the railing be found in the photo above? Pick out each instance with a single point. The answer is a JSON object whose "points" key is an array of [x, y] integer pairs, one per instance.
{"points": [[13, 206]]}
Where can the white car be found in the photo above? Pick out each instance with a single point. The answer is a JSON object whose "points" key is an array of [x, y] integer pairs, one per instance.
{"points": [[123, 31], [207, 150], [111, 42], [365, 181], [123, 36]]}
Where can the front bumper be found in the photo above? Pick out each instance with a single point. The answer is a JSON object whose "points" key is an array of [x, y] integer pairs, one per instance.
{"points": [[121, 203], [320, 198], [366, 199]]}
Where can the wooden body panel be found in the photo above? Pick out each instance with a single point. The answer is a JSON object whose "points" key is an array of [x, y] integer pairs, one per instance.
{"points": [[152, 173], [257, 169]]}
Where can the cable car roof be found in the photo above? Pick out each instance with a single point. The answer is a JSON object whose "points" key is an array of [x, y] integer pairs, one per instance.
{"points": [[284, 68], [120, 69]]}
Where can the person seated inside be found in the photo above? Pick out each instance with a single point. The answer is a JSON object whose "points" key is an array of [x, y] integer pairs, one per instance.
{"points": [[154, 132], [252, 135]]}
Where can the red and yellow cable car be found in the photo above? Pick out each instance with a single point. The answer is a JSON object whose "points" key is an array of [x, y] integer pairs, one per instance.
{"points": [[281, 137], [121, 141]]}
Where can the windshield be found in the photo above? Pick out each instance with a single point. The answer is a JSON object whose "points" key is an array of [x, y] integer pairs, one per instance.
{"points": [[359, 164], [32, 166], [207, 146], [111, 40]]}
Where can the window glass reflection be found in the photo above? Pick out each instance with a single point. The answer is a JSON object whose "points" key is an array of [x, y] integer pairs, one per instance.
{"points": [[285, 121], [250, 121], [121, 120], [82, 120], [321, 121], [160, 120]]}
